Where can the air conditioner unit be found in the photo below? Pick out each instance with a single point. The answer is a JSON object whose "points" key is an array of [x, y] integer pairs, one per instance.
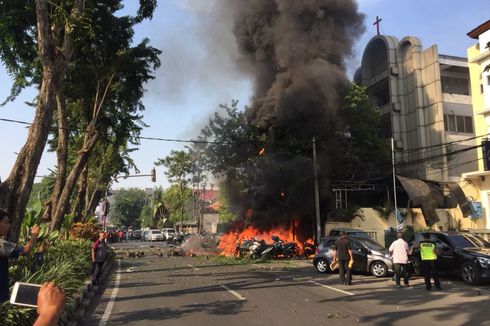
{"points": [[394, 70], [399, 144]]}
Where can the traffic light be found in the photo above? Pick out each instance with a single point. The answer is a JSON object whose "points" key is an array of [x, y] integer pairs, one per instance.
{"points": [[153, 175]]}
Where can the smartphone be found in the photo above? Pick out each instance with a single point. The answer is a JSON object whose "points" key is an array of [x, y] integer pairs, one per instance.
{"points": [[25, 294]]}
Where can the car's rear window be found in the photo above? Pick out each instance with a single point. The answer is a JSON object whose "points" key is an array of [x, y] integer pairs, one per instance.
{"points": [[371, 244], [468, 240]]}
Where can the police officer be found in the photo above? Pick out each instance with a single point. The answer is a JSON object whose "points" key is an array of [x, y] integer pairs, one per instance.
{"points": [[428, 266]]}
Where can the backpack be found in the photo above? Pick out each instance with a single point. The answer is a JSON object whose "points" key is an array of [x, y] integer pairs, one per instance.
{"points": [[100, 252]]}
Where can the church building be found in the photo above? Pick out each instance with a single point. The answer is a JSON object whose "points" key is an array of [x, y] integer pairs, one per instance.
{"points": [[425, 99]]}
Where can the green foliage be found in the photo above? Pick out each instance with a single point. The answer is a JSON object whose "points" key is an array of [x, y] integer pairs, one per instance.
{"points": [[385, 210], [226, 260], [174, 200], [66, 262], [179, 166], [365, 153], [146, 218], [127, 206], [235, 145], [41, 192]]}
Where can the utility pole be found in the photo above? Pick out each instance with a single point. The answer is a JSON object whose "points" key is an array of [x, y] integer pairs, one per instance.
{"points": [[317, 194], [394, 179]]}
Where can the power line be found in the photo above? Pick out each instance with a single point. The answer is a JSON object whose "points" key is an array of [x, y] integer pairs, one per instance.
{"points": [[147, 138], [433, 147]]}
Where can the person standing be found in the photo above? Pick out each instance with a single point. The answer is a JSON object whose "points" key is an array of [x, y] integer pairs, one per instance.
{"points": [[343, 253], [428, 265], [99, 254], [399, 251], [11, 250]]}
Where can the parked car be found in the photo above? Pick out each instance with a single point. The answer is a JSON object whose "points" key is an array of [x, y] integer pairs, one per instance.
{"points": [[155, 235], [335, 232], [137, 234], [145, 235], [461, 254], [168, 233], [369, 256]]}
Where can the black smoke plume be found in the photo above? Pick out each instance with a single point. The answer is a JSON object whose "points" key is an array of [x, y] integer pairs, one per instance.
{"points": [[296, 51]]}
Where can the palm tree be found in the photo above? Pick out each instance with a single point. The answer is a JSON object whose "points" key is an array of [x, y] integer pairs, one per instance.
{"points": [[159, 211]]}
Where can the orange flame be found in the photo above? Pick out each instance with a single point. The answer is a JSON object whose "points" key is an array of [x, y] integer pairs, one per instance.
{"points": [[229, 241]]}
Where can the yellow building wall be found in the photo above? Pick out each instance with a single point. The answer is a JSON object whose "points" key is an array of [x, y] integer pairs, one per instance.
{"points": [[477, 98]]}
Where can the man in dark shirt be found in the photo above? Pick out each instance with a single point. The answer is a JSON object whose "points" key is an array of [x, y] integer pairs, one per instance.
{"points": [[99, 253], [343, 253], [10, 250]]}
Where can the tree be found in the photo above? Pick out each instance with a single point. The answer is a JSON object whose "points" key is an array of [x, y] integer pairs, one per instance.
{"points": [[146, 218], [127, 206], [179, 167], [270, 170], [158, 209], [365, 154], [104, 91], [36, 48], [175, 199]]}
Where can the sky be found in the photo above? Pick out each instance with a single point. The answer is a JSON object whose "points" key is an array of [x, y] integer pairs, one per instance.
{"points": [[199, 70]]}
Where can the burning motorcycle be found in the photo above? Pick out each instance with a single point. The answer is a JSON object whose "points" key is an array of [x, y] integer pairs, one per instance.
{"points": [[280, 248], [243, 248], [257, 248], [309, 249]]}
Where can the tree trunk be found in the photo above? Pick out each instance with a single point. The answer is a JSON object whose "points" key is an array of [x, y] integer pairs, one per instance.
{"points": [[89, 142], [97, 195], [81, 194], [61, 153], [54, 58]]}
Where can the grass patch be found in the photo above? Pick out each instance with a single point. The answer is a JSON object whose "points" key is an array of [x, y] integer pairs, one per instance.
{"points": [[226, 260]]}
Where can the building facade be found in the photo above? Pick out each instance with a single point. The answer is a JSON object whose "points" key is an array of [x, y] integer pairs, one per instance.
{"points": [[425, 99], [476, 184]]}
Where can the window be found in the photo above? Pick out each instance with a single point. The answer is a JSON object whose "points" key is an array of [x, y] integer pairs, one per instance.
{"points": [[458, 123], [468, 124], [454, 85]]}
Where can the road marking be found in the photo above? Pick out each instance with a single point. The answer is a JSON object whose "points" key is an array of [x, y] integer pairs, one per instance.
{"points": [[110, 305], [196, 269], [236, 294], [332, 288]]}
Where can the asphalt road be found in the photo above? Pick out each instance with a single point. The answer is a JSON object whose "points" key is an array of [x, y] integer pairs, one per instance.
{"points": [[154, 290]]}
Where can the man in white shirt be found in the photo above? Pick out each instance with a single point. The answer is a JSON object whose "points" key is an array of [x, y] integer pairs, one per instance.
{"points": [[399, 251]]}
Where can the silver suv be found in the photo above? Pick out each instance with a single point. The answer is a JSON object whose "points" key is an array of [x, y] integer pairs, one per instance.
{"points": [[369, 256]]}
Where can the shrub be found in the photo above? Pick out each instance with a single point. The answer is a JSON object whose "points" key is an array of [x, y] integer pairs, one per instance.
{"points": [[66, 262], [87, 231]]}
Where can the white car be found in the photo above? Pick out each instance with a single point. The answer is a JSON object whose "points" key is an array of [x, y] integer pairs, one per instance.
{"points": [[155, 235]]}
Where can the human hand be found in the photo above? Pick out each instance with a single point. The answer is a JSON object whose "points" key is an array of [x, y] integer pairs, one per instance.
{"points": [[50, 301]]}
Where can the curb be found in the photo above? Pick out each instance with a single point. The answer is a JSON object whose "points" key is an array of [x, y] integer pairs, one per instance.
{"points": [[84, 299]]}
